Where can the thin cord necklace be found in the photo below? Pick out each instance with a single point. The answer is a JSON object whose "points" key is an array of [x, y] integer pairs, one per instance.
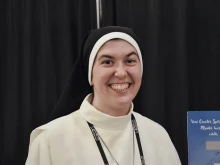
{"points": [[110, 151], [98, 140]]}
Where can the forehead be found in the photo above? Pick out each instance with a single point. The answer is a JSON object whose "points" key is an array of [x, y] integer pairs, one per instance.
{"points": [[116, 46]]}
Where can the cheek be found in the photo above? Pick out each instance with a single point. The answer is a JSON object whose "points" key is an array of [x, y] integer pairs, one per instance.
{"points": [[102, 78], [136, 73], [99, 76], [102, 73]]}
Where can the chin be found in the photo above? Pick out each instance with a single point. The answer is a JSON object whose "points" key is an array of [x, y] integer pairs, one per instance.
{"points": [[124, 101]]}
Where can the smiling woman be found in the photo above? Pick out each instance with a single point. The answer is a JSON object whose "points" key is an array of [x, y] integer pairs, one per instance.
{"points": [[104, 129], [116, 77]]}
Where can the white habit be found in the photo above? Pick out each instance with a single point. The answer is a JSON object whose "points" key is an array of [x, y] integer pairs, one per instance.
{"points": [[68, 140]]}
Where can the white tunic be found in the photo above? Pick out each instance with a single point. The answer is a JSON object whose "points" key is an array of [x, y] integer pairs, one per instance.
{"points": [[69, 141]]}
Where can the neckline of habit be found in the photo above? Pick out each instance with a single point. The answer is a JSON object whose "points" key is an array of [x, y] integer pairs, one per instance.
{"points": [[102, 120]]}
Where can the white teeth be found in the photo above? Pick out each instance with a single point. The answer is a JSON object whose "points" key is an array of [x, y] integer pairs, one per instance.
{"points": [[120, 87]]}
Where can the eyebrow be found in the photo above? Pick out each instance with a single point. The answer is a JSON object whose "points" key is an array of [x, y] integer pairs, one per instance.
{"points": [[110, 57]]}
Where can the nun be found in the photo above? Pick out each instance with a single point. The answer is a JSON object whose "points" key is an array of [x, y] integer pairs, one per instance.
{"points": [[94, 122]]}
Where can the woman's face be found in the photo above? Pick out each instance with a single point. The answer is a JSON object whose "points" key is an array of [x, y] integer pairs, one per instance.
{"points": [[116, 75]]}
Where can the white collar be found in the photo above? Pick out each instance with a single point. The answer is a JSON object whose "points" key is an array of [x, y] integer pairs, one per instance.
{"points": [[100, 119]]}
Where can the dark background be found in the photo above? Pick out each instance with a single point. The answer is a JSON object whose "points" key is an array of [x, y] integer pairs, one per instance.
{"points": [[41, 41]]}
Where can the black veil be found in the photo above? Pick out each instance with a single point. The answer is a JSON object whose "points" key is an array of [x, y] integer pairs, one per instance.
{"points": [[77, 86]]}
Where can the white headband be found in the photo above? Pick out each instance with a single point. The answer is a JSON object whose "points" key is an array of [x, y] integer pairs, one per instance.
{"points": [[106, 38]]}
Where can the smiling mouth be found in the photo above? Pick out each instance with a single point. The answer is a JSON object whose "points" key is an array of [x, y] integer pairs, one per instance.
{"points": [[120, 87]]}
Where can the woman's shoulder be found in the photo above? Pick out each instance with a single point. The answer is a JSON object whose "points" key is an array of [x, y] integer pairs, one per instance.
{"points": [[150, 125], [157, 136], [55, 127]]}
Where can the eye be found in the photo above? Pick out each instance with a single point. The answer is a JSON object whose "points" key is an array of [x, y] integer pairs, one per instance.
{"points": [[131, 61], [107, 62]]}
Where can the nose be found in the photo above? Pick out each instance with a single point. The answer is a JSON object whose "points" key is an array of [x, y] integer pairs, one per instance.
{"points": [[121, 71]]}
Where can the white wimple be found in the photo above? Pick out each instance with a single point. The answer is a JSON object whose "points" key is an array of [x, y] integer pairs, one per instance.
{"points": [[106, 38]]}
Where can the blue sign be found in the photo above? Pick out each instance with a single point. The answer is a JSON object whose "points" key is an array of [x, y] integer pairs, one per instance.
{"points": [[203, 128]]}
